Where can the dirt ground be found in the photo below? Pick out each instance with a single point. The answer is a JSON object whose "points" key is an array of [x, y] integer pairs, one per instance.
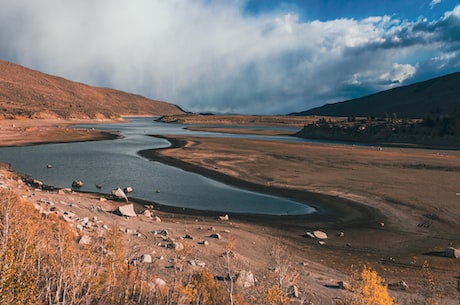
{"points": [[396, 207]]}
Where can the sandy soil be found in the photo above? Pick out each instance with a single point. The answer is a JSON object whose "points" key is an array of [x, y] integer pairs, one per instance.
{"points": [[28, 132], [413, 192]]}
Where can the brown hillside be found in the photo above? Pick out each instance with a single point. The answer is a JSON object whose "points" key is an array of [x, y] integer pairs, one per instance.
{"points": [[26, 93], [434, 97]]}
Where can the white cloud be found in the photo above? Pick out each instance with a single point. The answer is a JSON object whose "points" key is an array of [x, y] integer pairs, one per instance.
{"points": [[210, 56], [399, 73], [433, 3]]}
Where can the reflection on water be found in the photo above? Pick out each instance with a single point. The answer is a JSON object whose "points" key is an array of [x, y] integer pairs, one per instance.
{"points": [[115, 163]]}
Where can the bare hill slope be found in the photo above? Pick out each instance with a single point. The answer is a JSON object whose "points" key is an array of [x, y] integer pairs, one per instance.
{"points": [[26, 93], [434, 97]]}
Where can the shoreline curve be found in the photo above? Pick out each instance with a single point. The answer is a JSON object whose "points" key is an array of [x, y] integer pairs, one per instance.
{"points": [[331, 211]]}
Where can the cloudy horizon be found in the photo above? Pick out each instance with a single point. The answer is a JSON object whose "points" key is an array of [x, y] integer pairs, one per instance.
{"points": [[251, 57]]}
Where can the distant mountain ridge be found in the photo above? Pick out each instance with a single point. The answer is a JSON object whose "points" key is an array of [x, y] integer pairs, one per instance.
{"points": [[26, 93], [434, 97]]}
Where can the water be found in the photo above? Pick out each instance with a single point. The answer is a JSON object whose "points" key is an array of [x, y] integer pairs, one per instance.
{"points": [[115, 163]]}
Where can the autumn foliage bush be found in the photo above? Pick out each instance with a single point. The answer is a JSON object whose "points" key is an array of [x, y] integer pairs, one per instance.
{"points": [[41, 262], [368, 288]]}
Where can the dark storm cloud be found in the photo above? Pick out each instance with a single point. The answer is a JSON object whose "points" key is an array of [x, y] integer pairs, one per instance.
{"points": [[213, 56]]}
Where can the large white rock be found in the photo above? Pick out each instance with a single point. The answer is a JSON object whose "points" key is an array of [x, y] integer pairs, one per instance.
{"points": [[245, 279], [126, 210], [119, 194], [320, 234]]}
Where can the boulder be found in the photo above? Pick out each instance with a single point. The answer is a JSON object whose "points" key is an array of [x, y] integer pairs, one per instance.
{"points": [[85, 240], [146, 258], [126, 210], [197, 263], [77, 184], [245, 279], [160, 282], [178, 246], [224, 217], [320, 234], [66, 190], [293, 291], [118, 194], [37, 183], [147, 213], [343, 285], [451, 252]]}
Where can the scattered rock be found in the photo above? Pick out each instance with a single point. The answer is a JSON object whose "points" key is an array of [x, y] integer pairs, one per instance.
{"points": [[77, 184], [381, 224], [320, 234], [341, 234], [98, 186], [401, 285], [245, 279], [160, 282], [309, 234], [163, 232], [37, 183], [157, 219], [197, 263], [322, 242], [177, 246], [146, 259], [188, 236], [147, 213], [204, 243], [85, 240], [343, 285], [451, 252], [118, 194], [215, 235], [69, 216], [126, 210], [128, 189], [224, 217], [129, 231], [293, 291], [49, 165]]}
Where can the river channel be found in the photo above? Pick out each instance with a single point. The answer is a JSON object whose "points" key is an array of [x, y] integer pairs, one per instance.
{"points": [[116, 163]]}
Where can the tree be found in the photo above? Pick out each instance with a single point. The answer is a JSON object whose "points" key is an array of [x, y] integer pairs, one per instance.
{"points": [[369, 288], [17, 252], [205, 290], [284, 277], [429, 287]]}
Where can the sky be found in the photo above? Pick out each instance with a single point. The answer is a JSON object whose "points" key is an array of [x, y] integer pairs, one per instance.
{"points": [[236, 56]]}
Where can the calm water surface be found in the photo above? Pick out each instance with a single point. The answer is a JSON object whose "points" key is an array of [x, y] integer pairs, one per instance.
{"points": [[115, 163]]}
